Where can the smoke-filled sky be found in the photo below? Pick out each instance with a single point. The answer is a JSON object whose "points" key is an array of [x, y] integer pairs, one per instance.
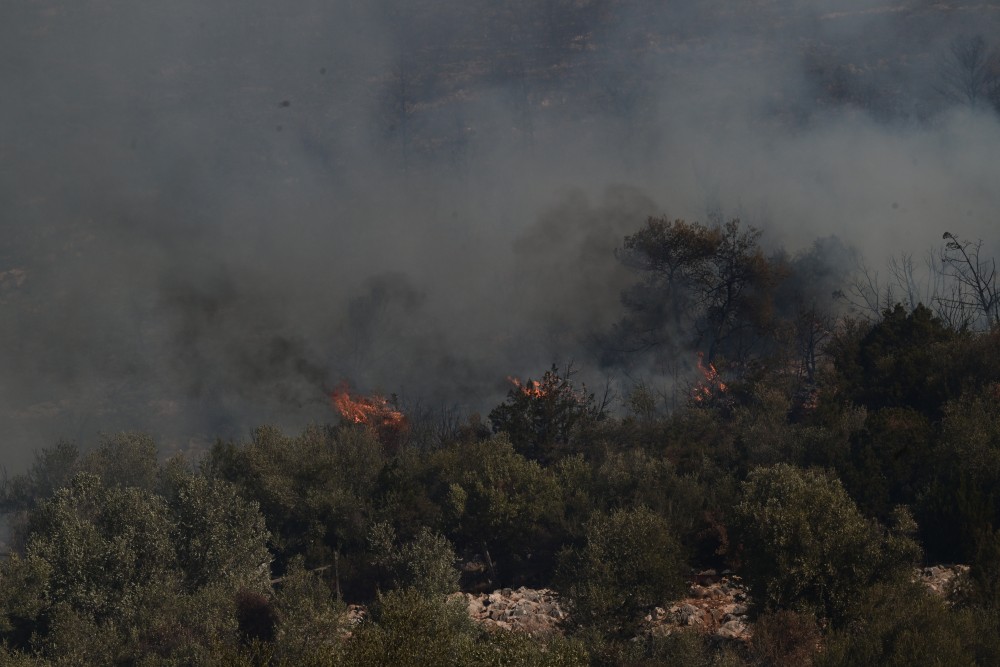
{"points": [[213, 212]]}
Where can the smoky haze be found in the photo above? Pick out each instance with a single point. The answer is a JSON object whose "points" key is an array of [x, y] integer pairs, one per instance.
{"points": [[213, 212]]}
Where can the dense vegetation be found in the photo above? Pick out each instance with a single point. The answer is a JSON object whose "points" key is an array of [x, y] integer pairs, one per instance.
{"points": [[821, 456]]}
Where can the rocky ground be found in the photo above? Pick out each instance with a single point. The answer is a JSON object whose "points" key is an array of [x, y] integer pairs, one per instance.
{"points": [[716, 604], [942, 579], [536, 612]]}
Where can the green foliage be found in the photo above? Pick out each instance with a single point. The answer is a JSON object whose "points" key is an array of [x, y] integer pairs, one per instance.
{"points": [[517, 649], [679, 648], [312, 621], [629, 563], [23, 598], [106, 545], [808, 548], [900, 362], [182, 627], [315, 490], [112, 573], [218, 536], [427, 563], [902, 625], [762, 432], [984, 574], [962, 502], [124, 460], [102, 546], [507, 504], [410, 629], [784, 638], [634, 478], [409, 490], [52, 469], [413, 630], [73, 637]]}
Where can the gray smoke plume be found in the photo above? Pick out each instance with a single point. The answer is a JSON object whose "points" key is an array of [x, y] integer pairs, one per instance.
{"points": [[213, 212]]}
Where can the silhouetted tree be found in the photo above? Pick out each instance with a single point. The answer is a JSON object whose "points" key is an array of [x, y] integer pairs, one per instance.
{"points": [[704, 286], [970, 73]]}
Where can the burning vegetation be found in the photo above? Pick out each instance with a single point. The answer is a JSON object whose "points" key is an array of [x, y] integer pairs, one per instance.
{"points": [[531, 388], [541, 416], [550, 386], [375, 411], [711, 385]]}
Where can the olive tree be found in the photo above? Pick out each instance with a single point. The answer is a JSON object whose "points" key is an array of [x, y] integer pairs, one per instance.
{"points": [[808, 548], [630, 562]]}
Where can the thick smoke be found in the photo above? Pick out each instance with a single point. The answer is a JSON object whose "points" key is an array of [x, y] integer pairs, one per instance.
{"points": [[213, 212]]}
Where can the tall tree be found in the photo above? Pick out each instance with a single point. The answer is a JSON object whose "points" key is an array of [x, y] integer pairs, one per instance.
{"points": [[706, 286]]}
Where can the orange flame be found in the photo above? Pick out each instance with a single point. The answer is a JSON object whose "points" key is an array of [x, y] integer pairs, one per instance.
{"points": [[712, 384], [371, 410], [532, 388]]}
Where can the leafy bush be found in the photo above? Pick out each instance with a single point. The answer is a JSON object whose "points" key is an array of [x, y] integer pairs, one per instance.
{"points": [[315, 490], [630, 562], [312, 624], [962, 504], [410, 629], [427, 563], [906, 360], [902, 625], [541, 417], [784, 638], [808, 548], [691, 649], [506, 505], [102, 547], [218, 536], [112, 573]]}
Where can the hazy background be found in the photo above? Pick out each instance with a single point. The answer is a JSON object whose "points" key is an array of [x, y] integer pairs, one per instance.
{"points": [[213, 212]]}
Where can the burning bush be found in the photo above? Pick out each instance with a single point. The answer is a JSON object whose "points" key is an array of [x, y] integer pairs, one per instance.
{"points": [[540, 416], [374, 411], [711, 387]]}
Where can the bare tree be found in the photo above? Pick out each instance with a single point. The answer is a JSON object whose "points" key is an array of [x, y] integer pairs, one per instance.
{"points": [[906, 283], [970, 73], [813, 329], [865, 295], [956, 282], [974, 290]]}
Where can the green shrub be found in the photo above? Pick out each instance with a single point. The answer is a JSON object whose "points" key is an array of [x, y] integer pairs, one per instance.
{"points": [[902, 625], [542, 417], [506, 648], [784, 638], [409, 629], [312, 623], [808, 548], [427, 563], [630, 562]]}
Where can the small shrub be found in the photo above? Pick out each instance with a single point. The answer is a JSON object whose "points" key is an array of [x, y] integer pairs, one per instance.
{"points": [[631, 561], [784, 639], [808, 548]]}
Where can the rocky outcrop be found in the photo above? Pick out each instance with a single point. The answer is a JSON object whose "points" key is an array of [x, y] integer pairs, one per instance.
{"points": [[536, 612], [942, 579], [716, 605]]}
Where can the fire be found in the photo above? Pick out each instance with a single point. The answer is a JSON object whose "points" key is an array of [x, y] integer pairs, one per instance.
{"points": [[371, 410], [532, 388], [712, 384]]}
